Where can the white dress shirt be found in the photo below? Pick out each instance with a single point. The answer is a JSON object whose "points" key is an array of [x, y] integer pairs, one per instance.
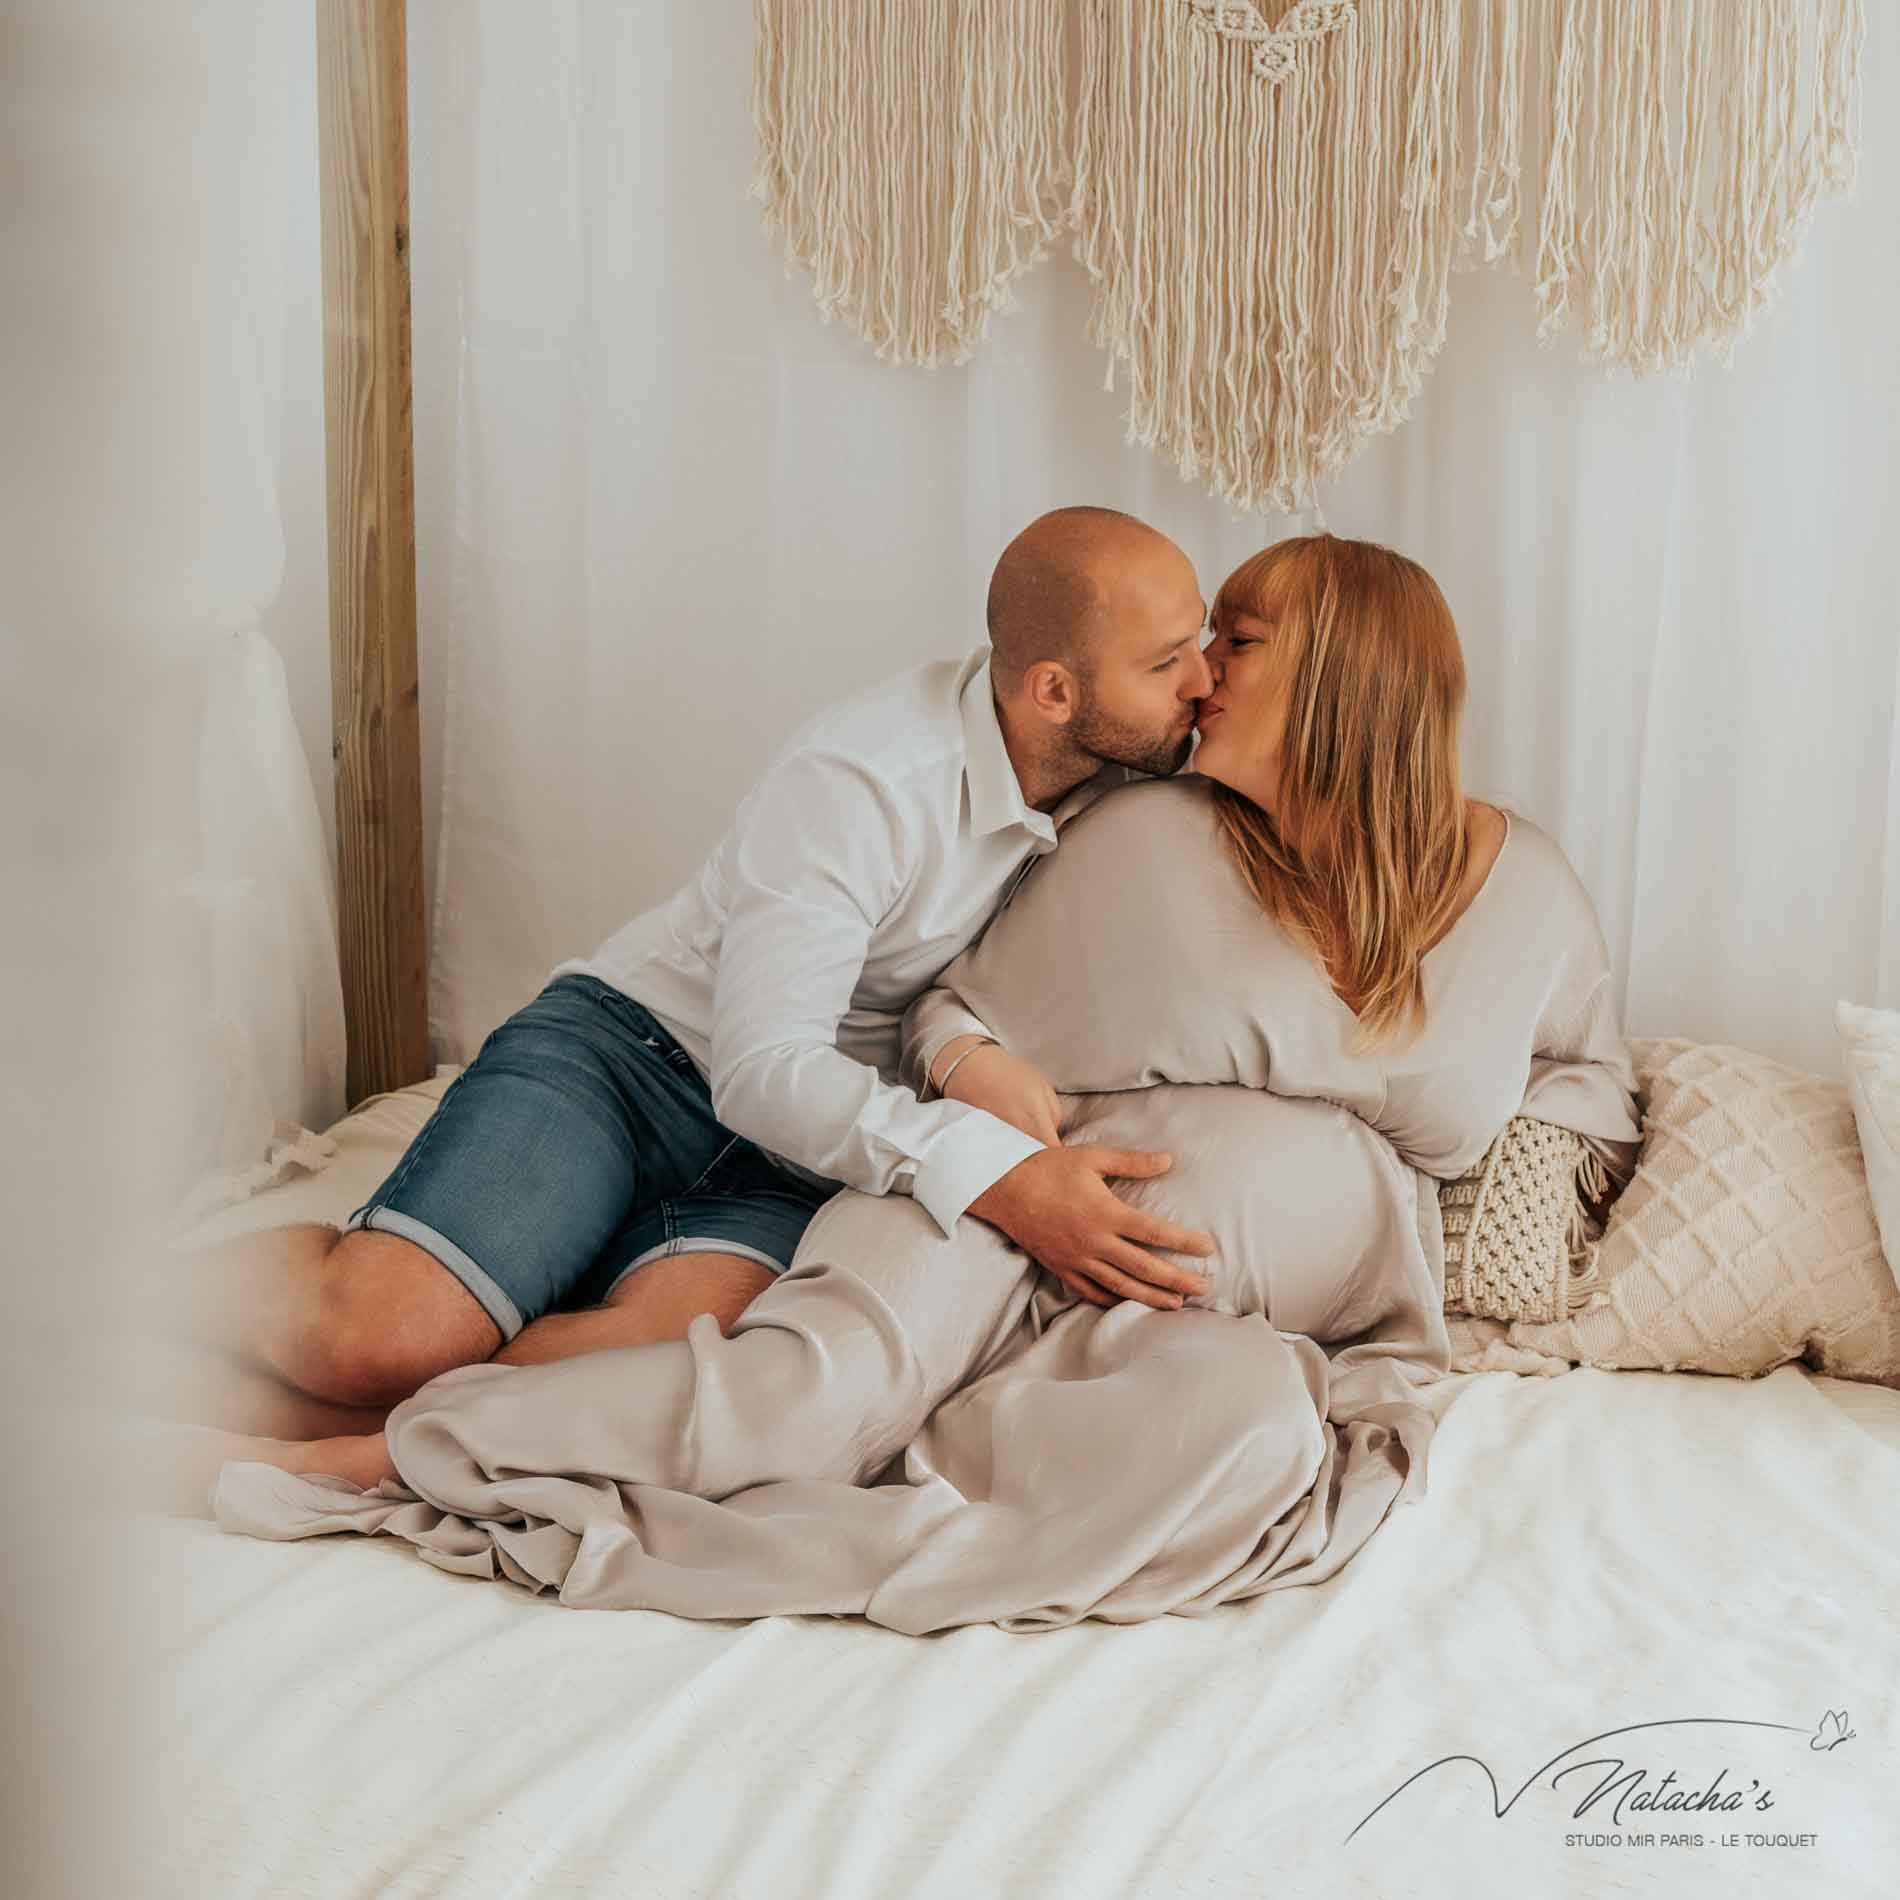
{"points": [[874, 848]]}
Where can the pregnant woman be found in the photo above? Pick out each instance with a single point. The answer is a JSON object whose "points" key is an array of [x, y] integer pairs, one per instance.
{"points": [[1315, 974]]}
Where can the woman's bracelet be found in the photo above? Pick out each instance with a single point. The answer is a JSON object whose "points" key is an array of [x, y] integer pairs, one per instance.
{"points": [[943, 1087]]}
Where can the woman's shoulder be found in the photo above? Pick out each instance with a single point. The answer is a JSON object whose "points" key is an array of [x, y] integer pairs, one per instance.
{"points": [[1541, 871], [1152, 823], [1158, 836], [1525, 837], [1148, 803]]}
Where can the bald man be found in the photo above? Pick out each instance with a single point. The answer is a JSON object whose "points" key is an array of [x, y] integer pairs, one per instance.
{"points": [[647, 1140]]}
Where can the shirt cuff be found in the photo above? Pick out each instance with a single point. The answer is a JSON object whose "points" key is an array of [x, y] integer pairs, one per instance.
{"points": [[971, 1155]]}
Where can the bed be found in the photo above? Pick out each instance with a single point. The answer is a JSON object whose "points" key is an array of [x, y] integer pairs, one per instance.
{"points": [[1713, 1563]]}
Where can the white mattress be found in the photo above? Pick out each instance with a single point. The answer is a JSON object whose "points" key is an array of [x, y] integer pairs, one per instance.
{"points": [[1597, 1550]]}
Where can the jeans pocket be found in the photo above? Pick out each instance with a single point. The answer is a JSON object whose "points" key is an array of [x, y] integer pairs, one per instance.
{"points": [[634, 1016], [725, 1172], [649, 1029]]}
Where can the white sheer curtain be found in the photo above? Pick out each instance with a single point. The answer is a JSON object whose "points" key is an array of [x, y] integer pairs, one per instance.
{"points": [[175, 1001], [171, 991], [666, 513]]}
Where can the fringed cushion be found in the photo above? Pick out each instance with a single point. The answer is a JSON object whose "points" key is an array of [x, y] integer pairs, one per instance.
{"points": [[1517, 1229]]}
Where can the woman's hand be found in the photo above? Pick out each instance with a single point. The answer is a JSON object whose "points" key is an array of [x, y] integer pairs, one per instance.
{"points": [[1013, 1090], [1058, 1207]]}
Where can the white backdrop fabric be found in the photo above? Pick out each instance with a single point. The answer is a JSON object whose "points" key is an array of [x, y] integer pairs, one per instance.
{"points": [[666, 514], [174, 902]]}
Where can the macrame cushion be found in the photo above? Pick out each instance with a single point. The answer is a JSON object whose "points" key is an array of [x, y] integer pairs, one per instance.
{"points": [[1746, 1238], [1514, 1224]]}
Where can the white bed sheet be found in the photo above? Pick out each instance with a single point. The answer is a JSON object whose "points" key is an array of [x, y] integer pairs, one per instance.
{"points": [[1597, 1550]]}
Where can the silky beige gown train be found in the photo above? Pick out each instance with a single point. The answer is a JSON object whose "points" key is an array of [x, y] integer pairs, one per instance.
{"points": [[928, 1431]]}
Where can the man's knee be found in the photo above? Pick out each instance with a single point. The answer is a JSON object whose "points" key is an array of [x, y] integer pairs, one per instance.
{"points": [[390, 1318], [675, 1289]]}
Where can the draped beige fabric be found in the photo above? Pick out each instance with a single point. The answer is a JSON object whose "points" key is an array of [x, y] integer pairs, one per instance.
{"points": [[1042, 1459]]}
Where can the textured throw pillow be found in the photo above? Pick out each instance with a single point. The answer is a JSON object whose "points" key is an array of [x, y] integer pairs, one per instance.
{"points": [[1746, 1238], [1516, 1226], [1870, 1053]]}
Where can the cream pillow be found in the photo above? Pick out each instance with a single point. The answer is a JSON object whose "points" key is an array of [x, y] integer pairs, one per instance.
{"points": [[1746, 1238], [1870, 1053]]}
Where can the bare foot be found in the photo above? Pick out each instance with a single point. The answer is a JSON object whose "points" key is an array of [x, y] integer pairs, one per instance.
{"points": [[174, 1466], [362, 1459]]}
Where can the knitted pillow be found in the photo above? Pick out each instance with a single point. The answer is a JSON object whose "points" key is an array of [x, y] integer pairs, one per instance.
{"points": [[1746, 1238], [1516, 1226]]}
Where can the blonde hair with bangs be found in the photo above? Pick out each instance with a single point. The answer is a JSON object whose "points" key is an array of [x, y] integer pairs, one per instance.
{"points": [[1368, 854]]}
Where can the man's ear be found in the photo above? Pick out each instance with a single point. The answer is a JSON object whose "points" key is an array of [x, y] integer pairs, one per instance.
{"points": [[1051, 690]]}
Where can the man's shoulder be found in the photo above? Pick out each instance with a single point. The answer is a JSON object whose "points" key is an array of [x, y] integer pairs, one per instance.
{"points": [[895, 728]]}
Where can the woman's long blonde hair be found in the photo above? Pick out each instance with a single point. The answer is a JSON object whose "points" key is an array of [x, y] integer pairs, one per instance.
{"points": [[1368, 854]]}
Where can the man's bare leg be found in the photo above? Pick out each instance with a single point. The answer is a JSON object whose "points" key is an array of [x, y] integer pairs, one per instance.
{"points": [[206, 1385], [358, 1319], [657, 1302]]}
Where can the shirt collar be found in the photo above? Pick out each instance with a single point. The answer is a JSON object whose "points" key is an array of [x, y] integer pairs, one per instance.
{"points": [[996, 794]]}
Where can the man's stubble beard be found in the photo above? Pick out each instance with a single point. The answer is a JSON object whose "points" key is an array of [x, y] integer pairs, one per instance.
{"points": [[1107, 740]]}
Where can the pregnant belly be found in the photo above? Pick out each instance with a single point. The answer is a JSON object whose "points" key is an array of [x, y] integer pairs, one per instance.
{"points": [[1306, 1204]]}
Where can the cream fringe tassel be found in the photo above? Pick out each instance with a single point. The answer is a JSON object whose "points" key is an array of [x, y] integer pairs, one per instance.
{"points": [[1593, 1183], [1271, 200], [915, 154], [1271, 260], [1690, 142]]}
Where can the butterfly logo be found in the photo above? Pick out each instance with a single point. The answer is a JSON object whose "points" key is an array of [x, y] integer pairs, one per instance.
{"points": [[1832, 1732]]}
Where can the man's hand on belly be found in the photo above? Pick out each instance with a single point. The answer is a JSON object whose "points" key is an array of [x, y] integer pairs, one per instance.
{"points": [[1058, 1207]]}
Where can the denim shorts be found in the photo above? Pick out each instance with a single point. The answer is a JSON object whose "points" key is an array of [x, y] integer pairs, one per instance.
{"points": [[579, 1145]]}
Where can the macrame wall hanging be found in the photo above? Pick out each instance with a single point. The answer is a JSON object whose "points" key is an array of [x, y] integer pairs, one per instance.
{"points": [[1270, 200]]}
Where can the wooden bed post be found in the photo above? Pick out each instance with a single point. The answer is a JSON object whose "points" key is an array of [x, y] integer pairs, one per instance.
{"points": [[362, 114]]}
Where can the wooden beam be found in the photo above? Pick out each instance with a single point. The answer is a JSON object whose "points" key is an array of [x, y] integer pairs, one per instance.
{"points": [[363, 137]]}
